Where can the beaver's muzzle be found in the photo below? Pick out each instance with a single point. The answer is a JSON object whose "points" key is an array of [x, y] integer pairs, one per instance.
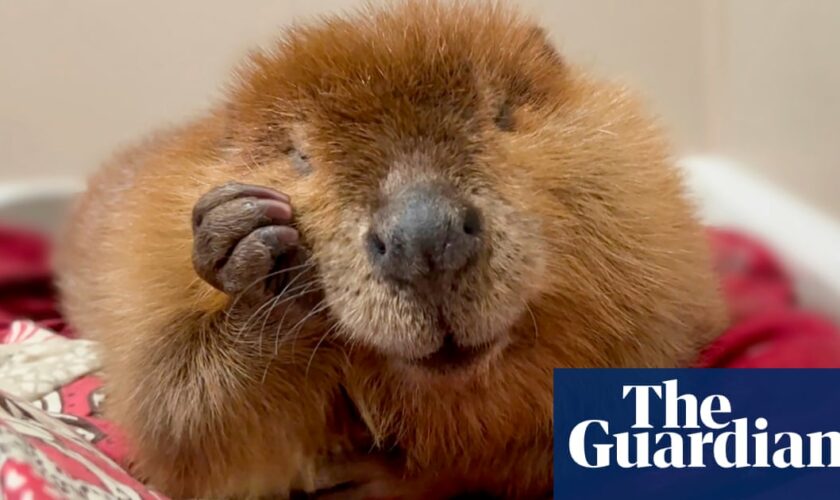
{"points": [[424, 231]]}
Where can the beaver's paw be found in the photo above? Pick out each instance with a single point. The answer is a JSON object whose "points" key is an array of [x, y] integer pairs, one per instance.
{"points": [[242, 237]]}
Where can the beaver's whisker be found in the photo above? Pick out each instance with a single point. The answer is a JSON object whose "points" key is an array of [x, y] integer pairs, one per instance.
{"points": [[232, 307], [270, 304], [305, 265], [329, 331], [274, 300], [320, 306], [306, 287], [280, 324], [297, 327], [533, 319]]}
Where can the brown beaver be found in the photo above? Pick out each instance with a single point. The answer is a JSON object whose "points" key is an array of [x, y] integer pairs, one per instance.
{"points": [[387, 235]]}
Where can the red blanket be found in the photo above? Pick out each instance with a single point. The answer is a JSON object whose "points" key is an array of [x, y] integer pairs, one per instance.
{"points": [[769, 329], [26, 290]]}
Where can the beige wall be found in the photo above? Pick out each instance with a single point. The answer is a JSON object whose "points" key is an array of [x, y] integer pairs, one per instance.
{"points": [[757, 79], [779, 93]]}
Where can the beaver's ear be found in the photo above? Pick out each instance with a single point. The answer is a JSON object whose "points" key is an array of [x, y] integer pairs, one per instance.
{"points": [[539, 36]]}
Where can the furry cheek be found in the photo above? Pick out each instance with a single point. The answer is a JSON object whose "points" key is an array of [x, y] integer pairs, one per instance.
{"points": [[500, 291], [370, 313]]}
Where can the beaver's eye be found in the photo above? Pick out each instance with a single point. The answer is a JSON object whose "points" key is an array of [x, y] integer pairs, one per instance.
{"points": [[300, 161], [504, 117]]}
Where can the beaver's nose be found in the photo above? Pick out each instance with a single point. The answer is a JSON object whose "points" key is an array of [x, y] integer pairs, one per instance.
{"points": [[426, 230]]}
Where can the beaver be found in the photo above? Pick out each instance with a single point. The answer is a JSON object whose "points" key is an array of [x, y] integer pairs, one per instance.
{"points": [[382, 240]]}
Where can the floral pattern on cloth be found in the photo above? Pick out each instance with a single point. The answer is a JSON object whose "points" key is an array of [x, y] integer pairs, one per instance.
{"points": [[35, 361], [79, 405], [42, 458]]}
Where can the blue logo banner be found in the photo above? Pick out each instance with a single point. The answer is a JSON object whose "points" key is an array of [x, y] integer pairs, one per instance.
{"points": [[696, 434]]}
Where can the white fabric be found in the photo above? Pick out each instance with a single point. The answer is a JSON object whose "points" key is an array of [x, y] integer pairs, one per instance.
{"points": [[35, 361]]}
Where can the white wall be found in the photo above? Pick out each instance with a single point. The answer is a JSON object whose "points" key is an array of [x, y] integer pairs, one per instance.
{"points": [[756, 79]]}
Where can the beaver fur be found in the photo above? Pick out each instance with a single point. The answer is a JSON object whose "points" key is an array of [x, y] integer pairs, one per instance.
{"points": [[592, 257]]}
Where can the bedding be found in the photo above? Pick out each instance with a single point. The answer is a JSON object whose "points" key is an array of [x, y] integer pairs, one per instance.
{"points": [[769, 327], [35, 361], [47, 455], [54, 442]]}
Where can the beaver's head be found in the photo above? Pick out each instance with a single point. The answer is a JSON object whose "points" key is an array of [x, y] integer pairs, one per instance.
{"points": [[440, 159]]}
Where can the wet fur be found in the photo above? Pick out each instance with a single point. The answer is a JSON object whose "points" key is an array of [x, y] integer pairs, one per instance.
{"points": [[596, 260]]}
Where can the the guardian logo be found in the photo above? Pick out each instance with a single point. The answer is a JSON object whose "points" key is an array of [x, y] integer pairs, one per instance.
{"points": [[693, 432]]}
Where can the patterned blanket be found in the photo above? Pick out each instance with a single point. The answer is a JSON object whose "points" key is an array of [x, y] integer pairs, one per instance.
{"points": [[53, 444]]}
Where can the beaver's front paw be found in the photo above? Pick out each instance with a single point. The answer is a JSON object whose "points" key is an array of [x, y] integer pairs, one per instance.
{"points": [[241, 236]]}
